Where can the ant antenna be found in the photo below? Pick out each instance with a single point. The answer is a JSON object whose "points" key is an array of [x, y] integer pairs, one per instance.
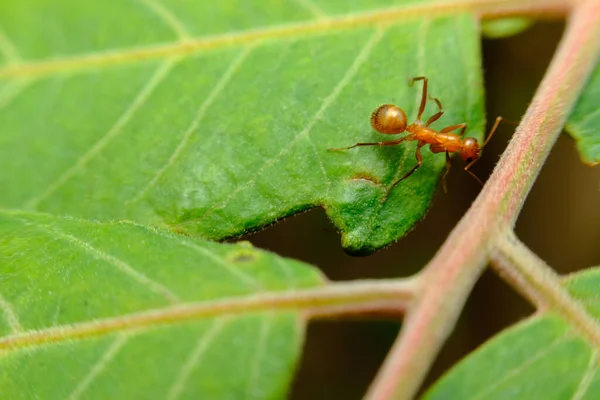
{"points": [[498, 120], [494, 128], [492, 131]]}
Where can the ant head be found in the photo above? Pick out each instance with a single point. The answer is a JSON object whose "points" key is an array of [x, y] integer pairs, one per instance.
{"points": [[470, 150], [389, 119]]}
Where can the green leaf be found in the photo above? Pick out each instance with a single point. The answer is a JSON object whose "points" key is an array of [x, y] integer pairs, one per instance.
{"points": [[543, 357], [215, 120], [584, 121], [500, 28], [123, 311]]}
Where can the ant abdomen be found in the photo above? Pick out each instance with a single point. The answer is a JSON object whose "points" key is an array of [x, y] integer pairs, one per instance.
{"points": [[389, 119]]}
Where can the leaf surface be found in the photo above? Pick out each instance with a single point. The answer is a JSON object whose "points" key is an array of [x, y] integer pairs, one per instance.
{"points": [[544, 357], [584, 121], [120, 310], [215, 120]]}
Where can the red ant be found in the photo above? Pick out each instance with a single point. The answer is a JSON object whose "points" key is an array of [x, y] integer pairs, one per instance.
{"points": [[390, 119]]}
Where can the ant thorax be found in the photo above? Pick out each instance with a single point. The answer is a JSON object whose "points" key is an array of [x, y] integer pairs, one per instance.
{"points": [[423, 132], [449, 142]]}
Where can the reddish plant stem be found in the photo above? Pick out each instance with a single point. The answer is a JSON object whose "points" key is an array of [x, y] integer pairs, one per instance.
{"points": [[451, 274]]}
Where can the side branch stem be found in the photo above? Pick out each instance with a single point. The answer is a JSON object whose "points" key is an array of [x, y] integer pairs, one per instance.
{"points": [[333, 299], [451, 274], [530, 275]]}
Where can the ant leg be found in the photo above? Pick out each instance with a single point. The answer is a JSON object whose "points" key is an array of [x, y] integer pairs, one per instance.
{"points": [[437, 101], [390, 143], [437, 115], [462, 127], [448, 165], [423, 96], [434, 118], [417, 78], [419, 163]]}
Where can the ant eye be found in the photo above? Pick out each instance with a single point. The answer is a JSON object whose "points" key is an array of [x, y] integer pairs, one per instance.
{"points": [[469, 159]]}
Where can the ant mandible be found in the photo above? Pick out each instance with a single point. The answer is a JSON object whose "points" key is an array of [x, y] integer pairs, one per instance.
{"points": [[391, 119]]}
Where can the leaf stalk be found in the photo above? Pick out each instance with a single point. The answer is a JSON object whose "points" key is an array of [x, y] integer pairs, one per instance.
{"points": [[451, 274], [541, 285]]}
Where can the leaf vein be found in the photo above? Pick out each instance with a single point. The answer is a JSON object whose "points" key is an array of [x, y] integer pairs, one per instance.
{"points": [[304, 133], [472, 80], [8, 49], [12, 90], [589, 117], [113, 132], [313, 8], [252, 384], [421, 66], [284, 267], [160, 10], [196, 357], [248, 279], [421, 54], [326, 179], [119, 264], [587, 377], [217, 90], [147, 319], [100, 365], [375, 17], [10, 315], [236, 272], [484, 394]]}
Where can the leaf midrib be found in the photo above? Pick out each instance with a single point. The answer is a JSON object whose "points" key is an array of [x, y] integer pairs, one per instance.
{"points": [[193, 45], [143, 320]]}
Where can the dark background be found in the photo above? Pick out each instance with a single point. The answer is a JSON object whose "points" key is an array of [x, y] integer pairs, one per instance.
{"points": [[560, 222]]}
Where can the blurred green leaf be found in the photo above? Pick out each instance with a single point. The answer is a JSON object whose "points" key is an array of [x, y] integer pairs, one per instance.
{"points": [[215, 119], [584, 121], [501, 28], [543, 357], [124, 311]]}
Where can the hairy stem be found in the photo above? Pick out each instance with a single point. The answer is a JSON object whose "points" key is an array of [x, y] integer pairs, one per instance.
{"points": [[343, 298], [451, 274], [541, 285]]}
